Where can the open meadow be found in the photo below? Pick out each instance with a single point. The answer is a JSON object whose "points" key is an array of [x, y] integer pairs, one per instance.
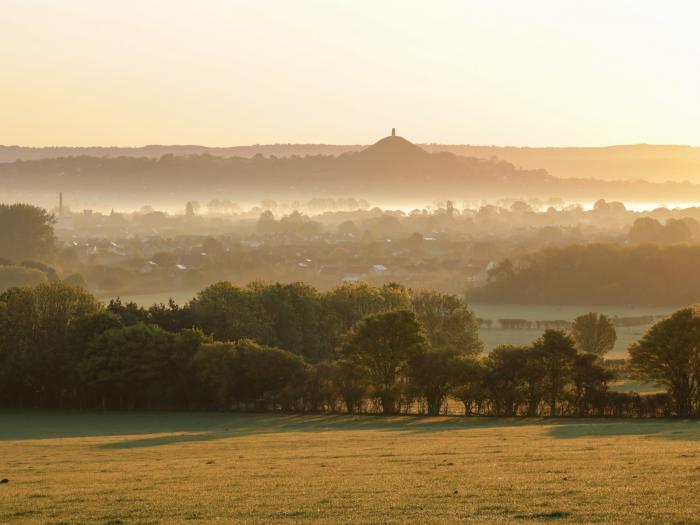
{"points": [[112, 468]]}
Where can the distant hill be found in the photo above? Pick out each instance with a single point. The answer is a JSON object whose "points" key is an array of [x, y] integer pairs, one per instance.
{"points": [[13, 153], [392, 170], [633, 162]]}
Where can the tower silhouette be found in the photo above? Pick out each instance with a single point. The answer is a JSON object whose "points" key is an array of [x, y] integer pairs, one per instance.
{"points": [[393, 132]]}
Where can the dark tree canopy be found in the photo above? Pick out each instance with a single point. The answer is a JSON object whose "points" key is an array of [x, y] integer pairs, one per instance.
{"points": [[384, 344], [26, 232], [669, 353], [594, 333]]}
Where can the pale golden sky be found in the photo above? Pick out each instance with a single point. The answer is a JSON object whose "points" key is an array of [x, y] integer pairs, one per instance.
{"points": [[218, 73]]}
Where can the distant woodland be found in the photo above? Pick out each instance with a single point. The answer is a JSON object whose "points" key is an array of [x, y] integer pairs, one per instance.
{"points": [[654, 163], [393, 169]]}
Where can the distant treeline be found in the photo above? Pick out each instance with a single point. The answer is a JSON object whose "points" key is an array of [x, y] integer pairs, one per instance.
{"points": [[645, 274], [391, 168], [386, 169], [560, 324], [353, 349]]}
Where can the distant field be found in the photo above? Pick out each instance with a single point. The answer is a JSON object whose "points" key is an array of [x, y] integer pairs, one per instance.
{"points": [[497, 336], [115, 468]]}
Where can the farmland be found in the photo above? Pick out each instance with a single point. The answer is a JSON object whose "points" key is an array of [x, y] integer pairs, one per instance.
{"points": [[71, 467]]}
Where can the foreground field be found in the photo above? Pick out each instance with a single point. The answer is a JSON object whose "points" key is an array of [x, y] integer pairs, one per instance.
{"points": [[116, 468]]}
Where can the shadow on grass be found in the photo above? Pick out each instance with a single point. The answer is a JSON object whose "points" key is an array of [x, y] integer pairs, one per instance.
{"points": [[679, 429], [147, 429]]}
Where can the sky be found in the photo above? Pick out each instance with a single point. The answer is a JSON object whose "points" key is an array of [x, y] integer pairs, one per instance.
{"points": [[227, 72]]}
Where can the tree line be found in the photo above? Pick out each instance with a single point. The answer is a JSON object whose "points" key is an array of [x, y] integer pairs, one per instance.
{"points": [[597, 274], [355, 349]]}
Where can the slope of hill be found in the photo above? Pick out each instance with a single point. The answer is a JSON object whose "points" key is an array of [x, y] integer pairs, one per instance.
{"points": [[655, 163], [392, 170]]}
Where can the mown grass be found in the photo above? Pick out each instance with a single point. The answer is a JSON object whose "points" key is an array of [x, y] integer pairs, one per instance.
{"points": [[231, 468]]}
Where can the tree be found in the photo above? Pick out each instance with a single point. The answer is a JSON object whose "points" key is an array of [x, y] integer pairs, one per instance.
{"points": [[140, 366], [675, 232], [431, 375], [505, 378], [349, 302], [191, 208], [26, 232], [130, 368], [384, 344], [468, 383], [34, 327], [557, 353], [267, 225], [590, 382], [320, 389], [214, 368], [533, 375], [290, 314], [352, 382], [228, 313], [645, 229], [128, 313], [267, 377], [594, 333], [171, 317], [80, 334], [18, 276], [450, 326], [669, 354]]}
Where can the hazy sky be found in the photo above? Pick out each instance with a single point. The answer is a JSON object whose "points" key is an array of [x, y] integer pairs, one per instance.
{"points": [[87, 72]]}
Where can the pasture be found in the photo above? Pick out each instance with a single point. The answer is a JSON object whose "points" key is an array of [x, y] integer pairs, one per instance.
{"points": [[113, 468]]}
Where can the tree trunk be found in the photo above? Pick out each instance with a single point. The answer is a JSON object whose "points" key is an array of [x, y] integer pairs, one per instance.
{"points": [[434, 406]]}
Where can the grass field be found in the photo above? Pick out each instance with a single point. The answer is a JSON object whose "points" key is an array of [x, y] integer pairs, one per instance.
{"points": [[112, 468]]}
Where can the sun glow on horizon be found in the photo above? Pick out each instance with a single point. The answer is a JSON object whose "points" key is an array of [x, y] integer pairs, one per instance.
{"points": [[223, 73]]}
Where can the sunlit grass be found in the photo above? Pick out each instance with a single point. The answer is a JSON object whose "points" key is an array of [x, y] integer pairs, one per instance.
{"points": [[185, 468]]}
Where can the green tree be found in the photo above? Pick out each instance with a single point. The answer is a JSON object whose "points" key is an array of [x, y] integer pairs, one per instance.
{"points": [[290, 313], [533, 375], [431, 376], [590, 382], [469, 383], [345, 305], [352, 382], [80, 334], [557, 352], [267, 377], [214, 368], [26, 232], [320, 389], [669, 354], [594, 333], [506, 378], [450, 326], [384, 344], [228, 313], [34, 326], [124, 367], [139, 367]]}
